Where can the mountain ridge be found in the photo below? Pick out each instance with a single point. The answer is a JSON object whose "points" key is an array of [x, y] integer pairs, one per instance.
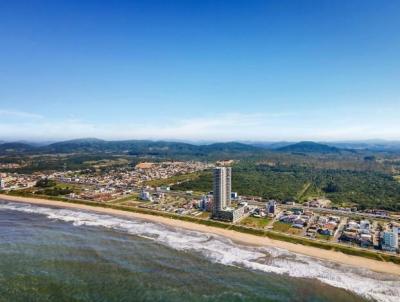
{"points": [[132, 147], [309, 147]]}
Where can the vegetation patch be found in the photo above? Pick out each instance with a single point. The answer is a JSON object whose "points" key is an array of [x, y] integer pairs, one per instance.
{"points": [[130, 198], [323, 237], [255, 222], [50, 187], [281, 226]]}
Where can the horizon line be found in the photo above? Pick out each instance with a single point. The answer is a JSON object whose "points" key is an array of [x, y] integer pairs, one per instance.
{"points": [[49, 140]]}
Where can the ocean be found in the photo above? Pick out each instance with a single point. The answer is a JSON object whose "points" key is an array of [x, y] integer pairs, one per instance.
{"points": [[52, 254]]}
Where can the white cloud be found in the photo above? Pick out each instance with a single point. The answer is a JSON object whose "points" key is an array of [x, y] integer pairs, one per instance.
{"points": [[19, 114], [219, 127]]}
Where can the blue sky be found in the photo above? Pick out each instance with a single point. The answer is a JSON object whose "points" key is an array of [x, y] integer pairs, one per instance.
{"points": [[200, 70]]}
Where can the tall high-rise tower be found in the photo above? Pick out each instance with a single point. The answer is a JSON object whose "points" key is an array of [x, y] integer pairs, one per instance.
{"points": [[222, 188]]}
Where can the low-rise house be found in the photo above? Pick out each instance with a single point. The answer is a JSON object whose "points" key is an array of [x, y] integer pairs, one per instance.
{"points": [[325, 231]]}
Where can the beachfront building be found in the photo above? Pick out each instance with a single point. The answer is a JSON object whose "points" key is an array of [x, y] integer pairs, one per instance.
{"points": [[271, 207], [2, 184], [222, 209], [205, 202], [230, 214], [145, 195], [222, 188], [390, 240]]}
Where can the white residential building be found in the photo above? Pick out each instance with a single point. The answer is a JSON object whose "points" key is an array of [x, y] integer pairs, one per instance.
{"points": [[145, 195], [391, 240]]}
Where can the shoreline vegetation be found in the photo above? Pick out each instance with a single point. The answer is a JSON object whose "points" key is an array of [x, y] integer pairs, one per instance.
{"points": [[358, 257]]}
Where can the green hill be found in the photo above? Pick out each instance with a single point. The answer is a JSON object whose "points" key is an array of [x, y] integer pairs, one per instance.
{"points": [[10, 148], [309, 147], [135, 147]]}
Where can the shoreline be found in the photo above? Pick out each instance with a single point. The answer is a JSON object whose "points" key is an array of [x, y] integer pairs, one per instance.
{"points": [[238, 237]]}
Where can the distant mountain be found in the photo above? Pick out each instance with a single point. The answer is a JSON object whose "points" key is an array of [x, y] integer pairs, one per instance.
{"points": [[271, 145], [372, 145], [309, 147], [15, 148], [76, 145], [184, 149], [162, 148], [134, 147], [229, 147]]}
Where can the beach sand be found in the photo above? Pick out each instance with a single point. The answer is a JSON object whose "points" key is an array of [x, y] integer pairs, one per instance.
{"points": [[252, 240]]}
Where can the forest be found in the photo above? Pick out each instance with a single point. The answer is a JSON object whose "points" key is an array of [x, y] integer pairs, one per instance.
{"points": [[296, 182]]}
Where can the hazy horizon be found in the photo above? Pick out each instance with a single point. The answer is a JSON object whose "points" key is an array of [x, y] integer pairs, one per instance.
{"points": [[200, 70], [200, 142]]}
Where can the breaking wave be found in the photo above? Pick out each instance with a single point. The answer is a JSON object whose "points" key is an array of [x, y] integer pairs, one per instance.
{"points": [[366, 283]]}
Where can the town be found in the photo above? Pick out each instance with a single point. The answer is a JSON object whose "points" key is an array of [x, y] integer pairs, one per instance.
{"points": [[148, 186]]}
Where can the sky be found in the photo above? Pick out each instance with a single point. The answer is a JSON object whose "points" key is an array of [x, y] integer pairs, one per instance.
{"points": [[200, 70]]}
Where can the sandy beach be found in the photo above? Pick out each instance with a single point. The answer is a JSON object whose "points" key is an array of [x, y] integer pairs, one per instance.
{"points": [[378, 266]]}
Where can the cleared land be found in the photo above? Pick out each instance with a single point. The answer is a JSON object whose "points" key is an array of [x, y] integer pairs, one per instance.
{"points": [[286, 228], [255, 222]]}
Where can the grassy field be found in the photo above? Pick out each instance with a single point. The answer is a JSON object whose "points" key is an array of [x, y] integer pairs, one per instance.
{"points": [[295, 231], [286, 228], [254, 222], [204, 215], [131, 197], [281, 226], [323, 237], [57, 189], [107, 163], [73, 187]]}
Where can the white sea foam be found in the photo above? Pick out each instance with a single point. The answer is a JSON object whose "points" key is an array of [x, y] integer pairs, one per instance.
{"points": [[375, 286]]}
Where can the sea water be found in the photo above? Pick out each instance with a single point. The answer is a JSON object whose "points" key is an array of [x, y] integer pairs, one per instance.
{"points": [[52, 254]]}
